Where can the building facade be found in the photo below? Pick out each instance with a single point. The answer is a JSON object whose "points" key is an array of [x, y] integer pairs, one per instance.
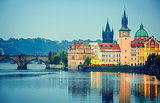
{"points": [[77, 53], [105, 54], [96, 53], [125, 41], [134, 56], [110, 54], [144, 46]]}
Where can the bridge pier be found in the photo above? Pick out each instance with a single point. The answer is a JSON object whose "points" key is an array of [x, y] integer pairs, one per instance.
{"points": [[22, 67]]}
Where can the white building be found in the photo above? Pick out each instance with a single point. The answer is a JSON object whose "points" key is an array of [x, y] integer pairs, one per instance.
{"points": [[105, 53]]}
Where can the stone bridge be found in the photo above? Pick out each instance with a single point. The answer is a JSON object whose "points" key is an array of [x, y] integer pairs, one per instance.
{"points": [[22, 60]]}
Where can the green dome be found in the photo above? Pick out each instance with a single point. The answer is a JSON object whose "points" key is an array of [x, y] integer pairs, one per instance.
{"points": [[141, 32]]}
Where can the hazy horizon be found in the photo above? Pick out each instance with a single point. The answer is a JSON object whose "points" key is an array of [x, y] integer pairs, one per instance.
{"points": [[73, 20]]}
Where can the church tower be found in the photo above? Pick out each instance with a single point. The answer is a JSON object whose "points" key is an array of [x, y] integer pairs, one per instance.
{"points": [[107, 35], [125, 41]]}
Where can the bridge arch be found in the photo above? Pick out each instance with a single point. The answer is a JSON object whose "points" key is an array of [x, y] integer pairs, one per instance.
{"points": [[8, 58], [13, 65], [36, 59]]}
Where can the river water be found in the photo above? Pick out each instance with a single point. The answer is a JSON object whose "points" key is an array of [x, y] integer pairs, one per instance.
{"points": [[37, 85]]}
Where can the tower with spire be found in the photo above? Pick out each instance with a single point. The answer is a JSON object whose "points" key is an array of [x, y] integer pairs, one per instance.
{"points": [[125, 41], [107, 35]]}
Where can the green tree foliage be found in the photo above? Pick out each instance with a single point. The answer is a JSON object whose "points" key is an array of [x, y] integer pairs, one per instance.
{"points": [[64, 57], [153, 60], [56, 60], [51, 56], [87, 61]]}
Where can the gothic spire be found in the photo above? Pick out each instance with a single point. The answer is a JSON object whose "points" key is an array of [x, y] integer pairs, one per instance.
{"points": [[107, 27], [124, 22]]}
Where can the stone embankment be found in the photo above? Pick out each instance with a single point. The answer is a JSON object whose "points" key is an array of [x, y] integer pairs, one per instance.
{"points": [[150, 70]]}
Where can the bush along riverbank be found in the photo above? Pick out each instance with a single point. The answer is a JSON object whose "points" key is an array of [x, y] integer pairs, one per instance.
{"points": [[151, 70]]}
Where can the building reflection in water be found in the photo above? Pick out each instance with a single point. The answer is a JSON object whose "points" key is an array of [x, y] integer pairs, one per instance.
{"points": [[116, 87], [124, 88], [149, 88]]}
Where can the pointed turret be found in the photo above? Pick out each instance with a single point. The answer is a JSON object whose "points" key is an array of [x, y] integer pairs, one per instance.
{"points": [[112, 31], [124, 23], [107, 27], [107, 35]]}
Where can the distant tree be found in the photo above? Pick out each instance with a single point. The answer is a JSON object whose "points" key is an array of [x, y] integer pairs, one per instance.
{"points": [[65, 61], [63, 56], [87, 61], [50, 57], [153, 59], [56, 60]]}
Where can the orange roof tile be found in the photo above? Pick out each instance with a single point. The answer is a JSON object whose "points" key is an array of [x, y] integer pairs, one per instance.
{"points": [[109, 46]]}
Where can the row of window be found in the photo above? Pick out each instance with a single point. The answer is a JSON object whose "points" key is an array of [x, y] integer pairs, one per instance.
{"points": [[106, 45], [111, 60], [118, 55], [133, 54], [134, 59]]}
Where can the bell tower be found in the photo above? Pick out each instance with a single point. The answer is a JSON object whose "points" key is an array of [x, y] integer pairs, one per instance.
{"points": [[125, 41]]}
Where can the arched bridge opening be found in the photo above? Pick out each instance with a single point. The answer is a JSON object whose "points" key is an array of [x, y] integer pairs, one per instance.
{"points": [[8, 63], [36, 64], [23, 60]]}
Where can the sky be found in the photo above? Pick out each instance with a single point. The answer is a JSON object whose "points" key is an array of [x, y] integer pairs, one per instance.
{"points": [[75, 19]]}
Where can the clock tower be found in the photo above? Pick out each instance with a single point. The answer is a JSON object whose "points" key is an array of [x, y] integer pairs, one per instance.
{"points": [[125, 41]]}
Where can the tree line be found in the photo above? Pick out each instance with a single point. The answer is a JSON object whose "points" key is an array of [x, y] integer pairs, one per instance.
{"points": [[60, 58]]}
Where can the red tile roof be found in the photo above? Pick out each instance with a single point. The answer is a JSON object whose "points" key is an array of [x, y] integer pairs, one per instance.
{"points": [[109, 46], [76, 44], [137, 42]]}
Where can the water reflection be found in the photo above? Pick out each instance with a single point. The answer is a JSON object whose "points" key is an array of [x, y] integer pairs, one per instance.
{"points": [[88, 87], [114, 87], [125, 88]]}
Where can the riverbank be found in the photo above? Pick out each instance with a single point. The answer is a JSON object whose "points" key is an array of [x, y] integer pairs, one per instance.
{"points": [[152, 70]]}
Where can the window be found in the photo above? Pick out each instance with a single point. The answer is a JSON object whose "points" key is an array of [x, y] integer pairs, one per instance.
{"points": [[106, 55], [125, 50], [101, 45], [73, 57], [125, 38], [103, 55], [109, 55], [103, 60], [106, 59], [135, 58], [84, 51], [117, 60], [125, 56], [111, 45], [131, 58], [109, 59], [119, 55], [84, 57], [106, 45], [113, 59]]}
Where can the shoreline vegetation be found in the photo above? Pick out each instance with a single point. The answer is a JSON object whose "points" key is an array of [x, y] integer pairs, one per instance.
{"points": [[149, 70]]}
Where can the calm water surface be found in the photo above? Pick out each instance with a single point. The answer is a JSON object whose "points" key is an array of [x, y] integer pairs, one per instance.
{"points": [[38, 85]]}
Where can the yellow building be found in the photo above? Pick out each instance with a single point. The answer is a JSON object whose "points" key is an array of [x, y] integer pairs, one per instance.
{"points": [[144, 46]]}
